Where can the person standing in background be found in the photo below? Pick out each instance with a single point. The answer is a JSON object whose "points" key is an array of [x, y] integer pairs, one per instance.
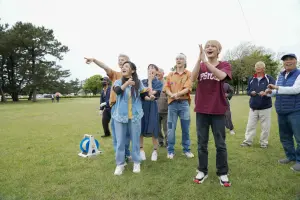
{"points": [[228, 94], [162, 103], [104, 106], [287, 104], [178, 87], [260, 106]]}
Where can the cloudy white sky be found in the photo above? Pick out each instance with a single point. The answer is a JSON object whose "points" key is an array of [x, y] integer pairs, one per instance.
{"points": [[156, 31]]}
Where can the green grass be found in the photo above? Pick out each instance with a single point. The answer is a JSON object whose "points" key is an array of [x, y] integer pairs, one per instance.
{"points": [[40, 142]]}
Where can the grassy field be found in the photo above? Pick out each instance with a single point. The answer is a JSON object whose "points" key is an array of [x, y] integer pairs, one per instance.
{"points": [[40, 142]]}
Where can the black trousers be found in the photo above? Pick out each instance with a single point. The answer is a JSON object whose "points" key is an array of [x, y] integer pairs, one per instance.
{"points": [[106, 116], [216, 122]]}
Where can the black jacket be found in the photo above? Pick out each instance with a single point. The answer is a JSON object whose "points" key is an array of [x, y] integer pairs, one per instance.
{"points": [[258, 102]]}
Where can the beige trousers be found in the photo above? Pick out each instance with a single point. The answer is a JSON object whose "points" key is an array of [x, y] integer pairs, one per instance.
{"points": [[264, 116]]}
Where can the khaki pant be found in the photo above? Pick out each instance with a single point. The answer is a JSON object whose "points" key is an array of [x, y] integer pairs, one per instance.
{"points": [[265, 119]]}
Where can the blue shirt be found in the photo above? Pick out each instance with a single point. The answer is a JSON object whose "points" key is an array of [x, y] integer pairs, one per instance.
{"points": [[128, 107]]}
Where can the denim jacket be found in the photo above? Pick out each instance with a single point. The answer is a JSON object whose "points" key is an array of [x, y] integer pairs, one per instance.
{"points": [[120, 112]]}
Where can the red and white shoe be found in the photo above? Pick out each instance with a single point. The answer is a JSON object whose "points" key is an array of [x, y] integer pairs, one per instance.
{"points": [[224, 181], [200, 177]]}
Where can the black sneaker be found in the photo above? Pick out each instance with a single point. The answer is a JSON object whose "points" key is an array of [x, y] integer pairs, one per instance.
{"points": [[103, 136]]}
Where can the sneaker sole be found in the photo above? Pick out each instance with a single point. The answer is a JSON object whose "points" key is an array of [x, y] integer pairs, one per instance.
{"points": [[294, 170], [136, 172], [225, 185], [200, 182], [119, 174], [188, 156], [245, 145], [285, 163]]}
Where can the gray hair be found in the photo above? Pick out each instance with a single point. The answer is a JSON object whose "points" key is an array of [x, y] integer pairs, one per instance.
{"points": [[161, 70], [124, 56], [181, 55], [260, 64]]}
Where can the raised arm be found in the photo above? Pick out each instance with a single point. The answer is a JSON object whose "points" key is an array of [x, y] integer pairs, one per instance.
{"points": [[102, 65], [221, 75], [196, 70]]}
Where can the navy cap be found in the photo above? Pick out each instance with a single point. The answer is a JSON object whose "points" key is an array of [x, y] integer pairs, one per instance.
{"points": [[105, 79], [292, 55]]}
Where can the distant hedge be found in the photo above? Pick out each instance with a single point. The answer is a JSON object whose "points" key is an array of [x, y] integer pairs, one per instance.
{"points": [[62, 97]]}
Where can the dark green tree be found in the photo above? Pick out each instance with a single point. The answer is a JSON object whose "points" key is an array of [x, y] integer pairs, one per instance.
{"points": [[93, 84]]}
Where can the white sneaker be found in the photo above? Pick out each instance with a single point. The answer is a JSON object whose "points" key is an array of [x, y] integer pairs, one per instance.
{"points": [[136, 168], [200, 177], [170, 155], [232, 132], [189, 154], [224, 181], [143, 155], [154, 156], [119, 170]]}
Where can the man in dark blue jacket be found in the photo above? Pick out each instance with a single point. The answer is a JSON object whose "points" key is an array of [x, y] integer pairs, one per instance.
{"points": [[287, 104], [104, 106], [260, 106]]}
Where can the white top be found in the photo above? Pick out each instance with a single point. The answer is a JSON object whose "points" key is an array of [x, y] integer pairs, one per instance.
{"points": [[295, 89]]}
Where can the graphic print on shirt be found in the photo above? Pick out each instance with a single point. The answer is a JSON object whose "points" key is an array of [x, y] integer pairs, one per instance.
{"points": [[210, 96], [207, 75]]}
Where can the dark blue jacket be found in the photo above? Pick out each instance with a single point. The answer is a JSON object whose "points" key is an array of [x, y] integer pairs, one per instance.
{"points": [[284, 103], [105, 98], [258, 102]]}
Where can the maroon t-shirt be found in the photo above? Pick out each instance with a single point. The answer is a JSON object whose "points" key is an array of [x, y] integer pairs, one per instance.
{"points": [[210, 96]]}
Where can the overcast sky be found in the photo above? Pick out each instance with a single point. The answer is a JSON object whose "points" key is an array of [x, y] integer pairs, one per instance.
{"points": [[156, 31]]}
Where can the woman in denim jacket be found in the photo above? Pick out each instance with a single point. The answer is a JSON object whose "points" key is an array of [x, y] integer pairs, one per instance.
{"points": [[127, 115]]}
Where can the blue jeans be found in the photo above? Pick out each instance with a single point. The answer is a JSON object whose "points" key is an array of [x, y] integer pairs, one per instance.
{"points": [[179, 109], [289, 126], [134, 129], [127, 151]]}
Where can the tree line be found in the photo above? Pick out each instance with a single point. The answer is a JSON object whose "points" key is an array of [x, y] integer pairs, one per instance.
{"points": [[29, 55]]}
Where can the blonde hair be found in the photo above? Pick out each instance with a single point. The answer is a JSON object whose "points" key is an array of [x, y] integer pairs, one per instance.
{"points": [[216, 43], [260, 64], [124, 56]]}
